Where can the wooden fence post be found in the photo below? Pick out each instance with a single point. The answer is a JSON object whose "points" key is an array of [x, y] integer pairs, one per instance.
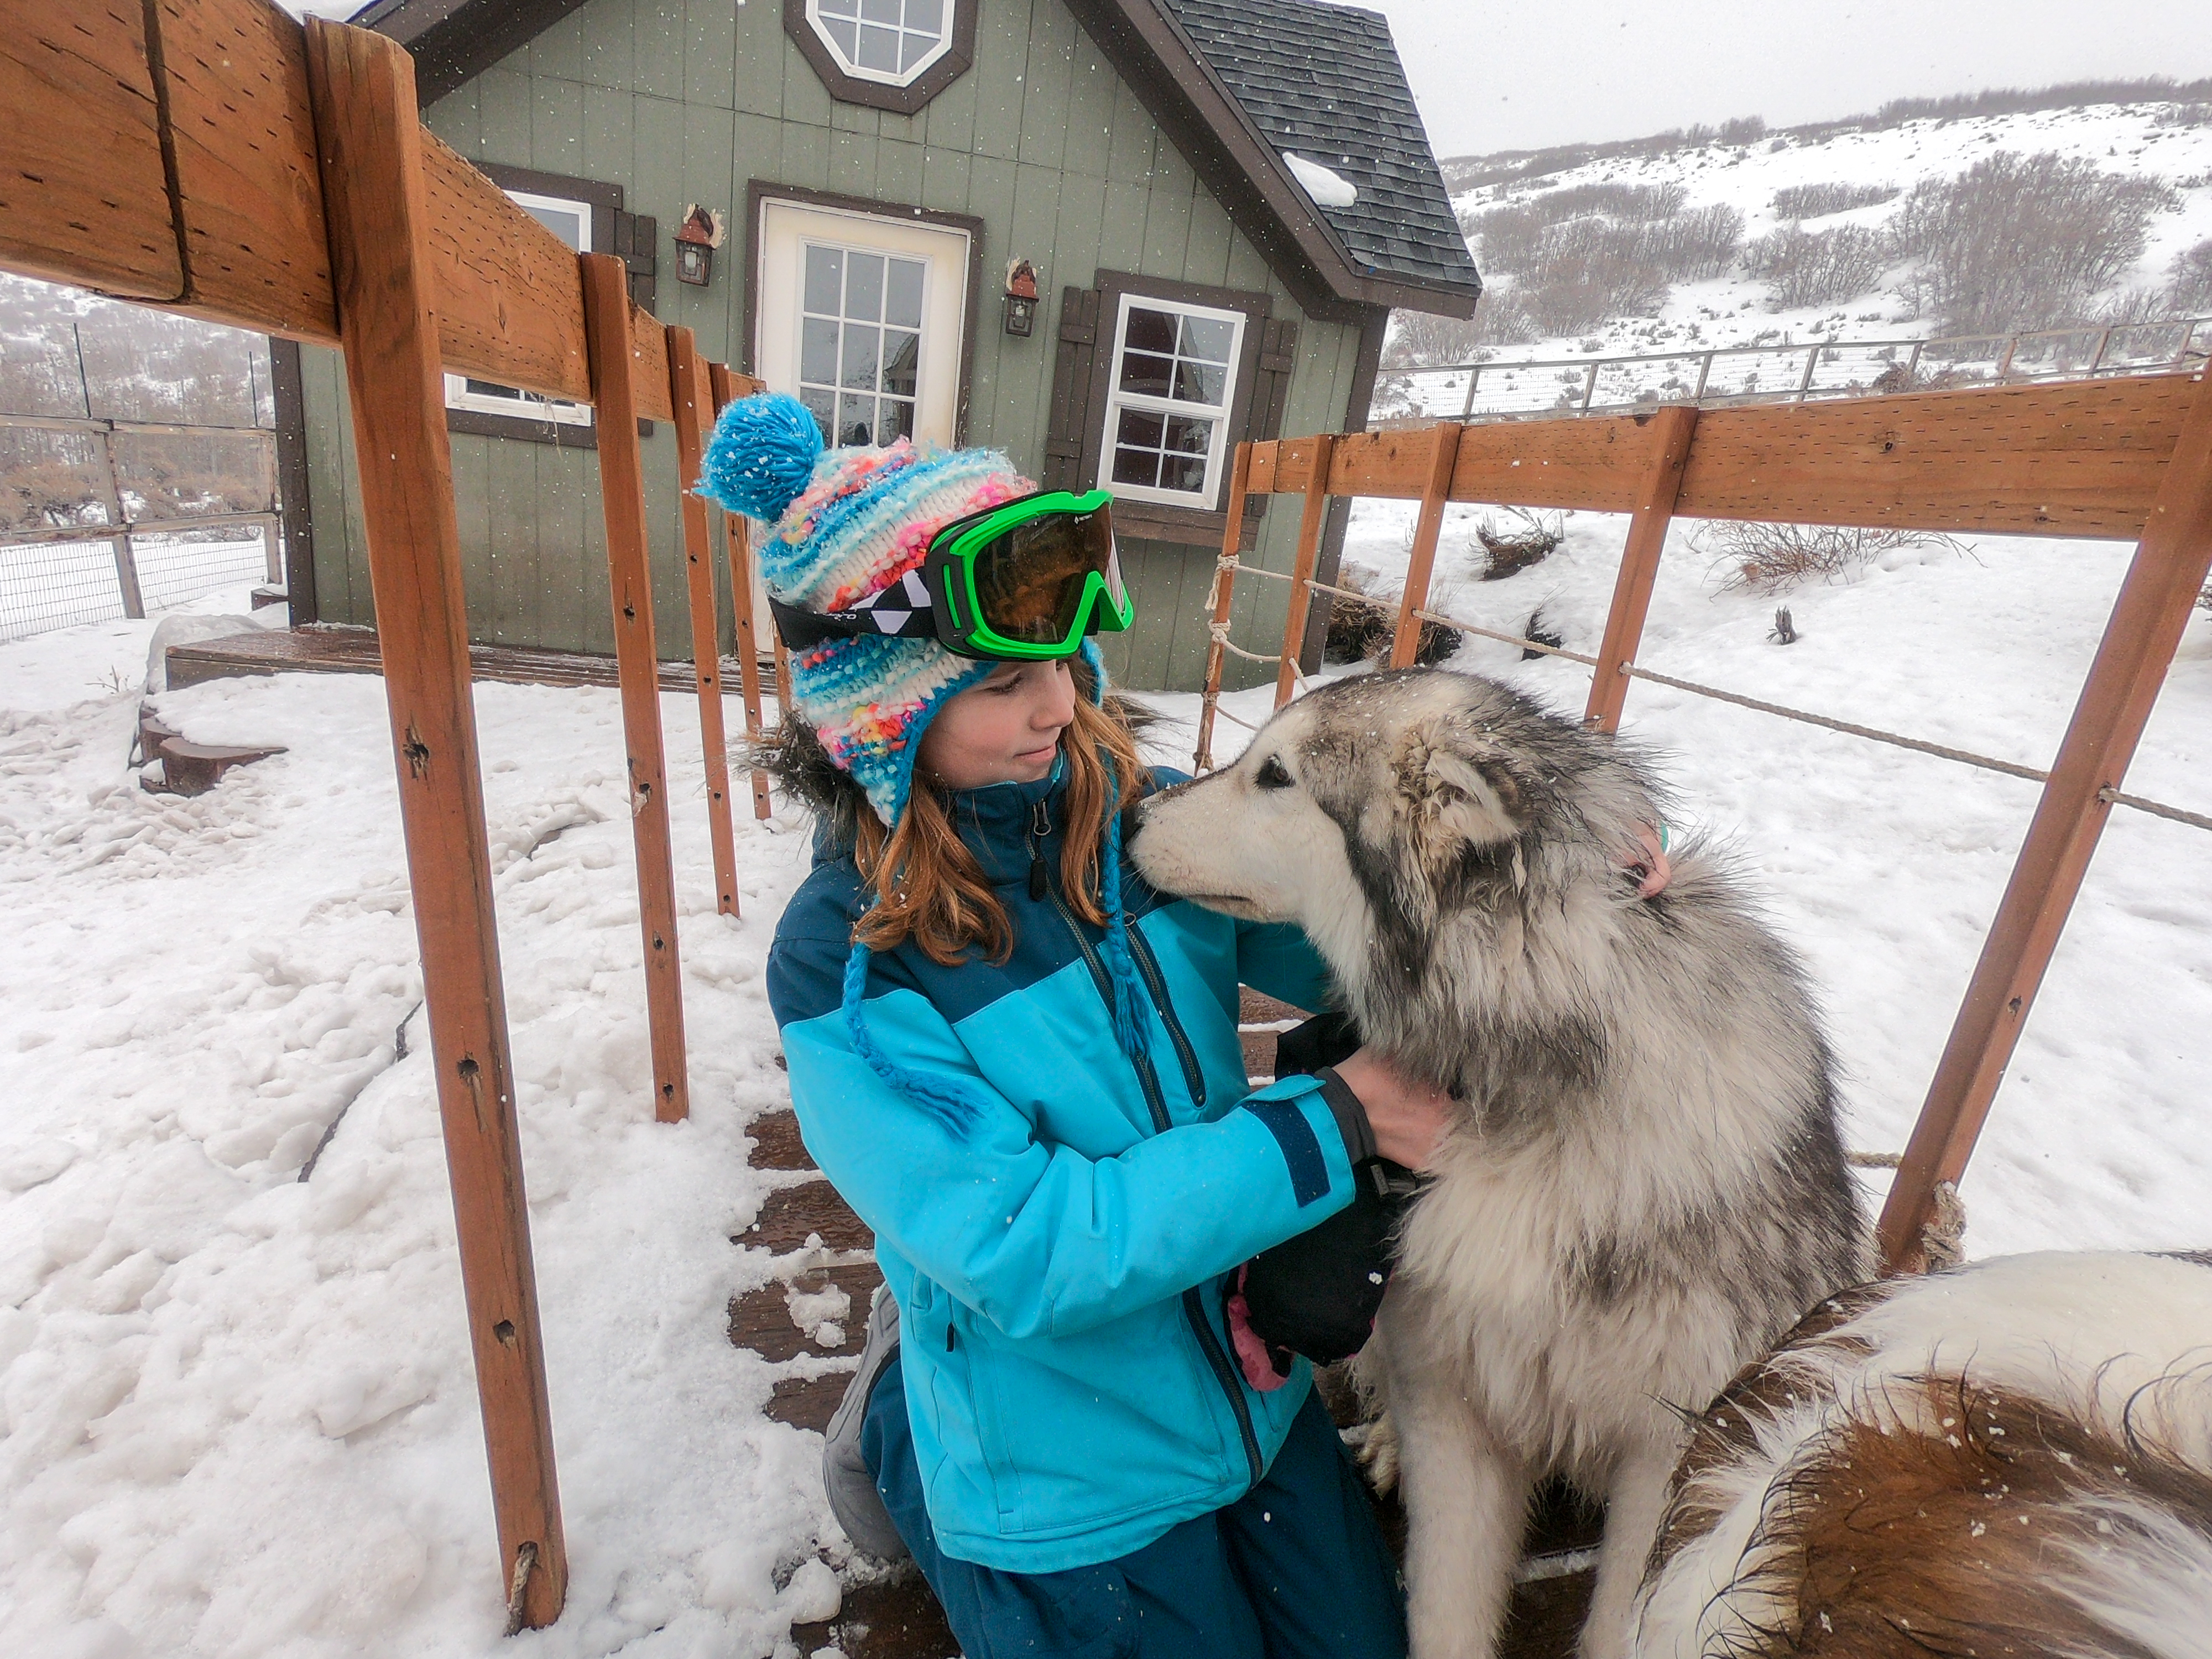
{"points": [[688, 391], [622, 492], [1302, 568], [739, 534], [1225, 583], [2161, 587], [1674, 426], [1405, 642], [370, 143]]}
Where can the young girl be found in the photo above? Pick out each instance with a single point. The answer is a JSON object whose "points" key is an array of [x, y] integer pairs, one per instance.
{"points": [[1020, 1066]]}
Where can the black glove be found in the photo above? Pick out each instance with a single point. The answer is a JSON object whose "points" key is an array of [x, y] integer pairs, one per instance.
{"points": [[1317, 1294]]}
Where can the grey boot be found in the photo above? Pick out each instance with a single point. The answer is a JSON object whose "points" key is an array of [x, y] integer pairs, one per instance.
{"points": [[854, 1499]]}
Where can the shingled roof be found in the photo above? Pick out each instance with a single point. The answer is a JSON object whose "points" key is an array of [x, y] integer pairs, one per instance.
{"points": [[1234, 82], [1326, 83]]}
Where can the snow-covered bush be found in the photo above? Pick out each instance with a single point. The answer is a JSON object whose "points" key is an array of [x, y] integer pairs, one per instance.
{"points": [[2023, 242], [1817, 201], [1818, 268]]}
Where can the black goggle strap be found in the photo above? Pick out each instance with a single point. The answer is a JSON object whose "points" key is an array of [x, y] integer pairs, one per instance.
{"points": [[900, 611]]}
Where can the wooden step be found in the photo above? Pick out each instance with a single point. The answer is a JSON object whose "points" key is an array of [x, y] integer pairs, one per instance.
{"points": [[776, 1143], [761, 1322], [789, 1214]]}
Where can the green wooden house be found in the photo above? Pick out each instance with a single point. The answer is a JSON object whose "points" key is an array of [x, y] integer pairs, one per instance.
{"points": [[1220, 202]]}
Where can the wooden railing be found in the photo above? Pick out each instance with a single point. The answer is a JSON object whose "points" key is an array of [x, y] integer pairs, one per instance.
{"points": [[2126, 461], [216, 159]]}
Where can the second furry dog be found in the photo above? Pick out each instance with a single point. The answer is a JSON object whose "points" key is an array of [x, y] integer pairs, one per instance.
{"points": [[1646, 1188]]}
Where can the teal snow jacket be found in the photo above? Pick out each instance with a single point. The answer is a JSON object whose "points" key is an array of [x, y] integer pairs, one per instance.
{"points": [[1059, 1263]]}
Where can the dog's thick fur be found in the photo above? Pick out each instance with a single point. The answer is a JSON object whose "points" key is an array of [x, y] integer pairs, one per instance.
{"points": [[2013, 1458], [1645, 1188]]}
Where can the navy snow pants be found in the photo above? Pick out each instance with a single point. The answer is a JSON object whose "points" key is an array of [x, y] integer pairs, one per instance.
{"points": [[1295, 1568]]}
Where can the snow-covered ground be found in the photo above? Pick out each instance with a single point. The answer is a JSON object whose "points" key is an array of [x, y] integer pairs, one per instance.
{"points": [[240, 1411], [1733, 310]]}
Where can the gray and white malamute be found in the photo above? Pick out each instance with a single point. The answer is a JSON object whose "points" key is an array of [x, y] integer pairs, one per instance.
{"points": [[1647, 1187]]}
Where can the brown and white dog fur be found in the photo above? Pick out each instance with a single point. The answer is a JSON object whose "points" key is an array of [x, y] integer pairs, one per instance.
{"points": [[1645, 1186], [2013, 1458]]}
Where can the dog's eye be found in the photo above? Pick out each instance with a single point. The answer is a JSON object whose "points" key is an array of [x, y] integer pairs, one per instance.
{"points": [[1273, 775]]}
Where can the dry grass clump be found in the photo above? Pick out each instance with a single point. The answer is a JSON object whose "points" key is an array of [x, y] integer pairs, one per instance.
{"points": [[1777, 558], [1361, 630], [1817, 201], [1526, 539]]}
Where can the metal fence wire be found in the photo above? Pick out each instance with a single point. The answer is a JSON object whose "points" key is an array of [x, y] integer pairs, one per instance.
{"points": [[46, 586]]}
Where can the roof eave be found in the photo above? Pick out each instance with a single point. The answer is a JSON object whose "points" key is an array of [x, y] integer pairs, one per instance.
{"points": [[454, 41]]}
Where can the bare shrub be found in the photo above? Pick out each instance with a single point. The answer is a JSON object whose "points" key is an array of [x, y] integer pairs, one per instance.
{"points": [[1541, 630], [1361, 630], [1776, 558], [1817, 201], [1420, 337], [1744, 130], [2021, 242], [1818, 267], [1507, 237], [2189, 290], [1526, 538], [1417, 339], [1694, 246], [2184, 115], [1631, 204]]}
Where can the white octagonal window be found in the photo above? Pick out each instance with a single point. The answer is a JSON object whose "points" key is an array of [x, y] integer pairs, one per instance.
{"points": [[890, 41]]}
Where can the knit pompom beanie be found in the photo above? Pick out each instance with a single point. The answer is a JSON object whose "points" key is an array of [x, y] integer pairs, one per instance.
{"points": [[846, 525], [849, 524]]}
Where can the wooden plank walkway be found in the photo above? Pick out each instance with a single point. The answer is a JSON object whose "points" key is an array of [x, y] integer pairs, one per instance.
{"points": [[818, 1244], [325, 648]]}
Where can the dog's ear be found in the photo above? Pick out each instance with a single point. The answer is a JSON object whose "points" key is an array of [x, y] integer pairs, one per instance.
{"points": [[1455, 787]]}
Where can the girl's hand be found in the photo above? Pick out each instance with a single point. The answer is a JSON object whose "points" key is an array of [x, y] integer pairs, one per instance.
{"points": [[1409, 1119]]}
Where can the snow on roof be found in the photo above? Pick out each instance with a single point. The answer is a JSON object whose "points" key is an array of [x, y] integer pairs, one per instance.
{"points": [[1327, 189]]}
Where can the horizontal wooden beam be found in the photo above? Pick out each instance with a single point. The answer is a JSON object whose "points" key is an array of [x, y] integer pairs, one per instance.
{"points": [[83, 187], [179, 170], [2081, 459]]}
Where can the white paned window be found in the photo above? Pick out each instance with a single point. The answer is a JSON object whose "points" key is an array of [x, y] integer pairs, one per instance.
{"points": [[1167, 404], [571, 221], [859, 340], [861, 318], [888, 40]]}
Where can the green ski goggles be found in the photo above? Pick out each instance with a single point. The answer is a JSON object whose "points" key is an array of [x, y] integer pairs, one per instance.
{"points": [[1028, 580]]}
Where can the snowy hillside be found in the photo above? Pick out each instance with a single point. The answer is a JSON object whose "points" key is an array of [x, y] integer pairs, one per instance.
{"points": [[2160, 151]]}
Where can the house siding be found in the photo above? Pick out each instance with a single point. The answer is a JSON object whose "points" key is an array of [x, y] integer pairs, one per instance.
{"points": [[678, 102]]}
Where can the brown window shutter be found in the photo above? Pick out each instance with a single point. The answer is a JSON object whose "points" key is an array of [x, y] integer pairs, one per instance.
{"points": [[1071, 369], [637, 244], [1271, 396]]}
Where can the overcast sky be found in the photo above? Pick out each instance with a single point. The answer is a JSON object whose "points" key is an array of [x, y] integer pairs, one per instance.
{"points": [[1492, 76]]}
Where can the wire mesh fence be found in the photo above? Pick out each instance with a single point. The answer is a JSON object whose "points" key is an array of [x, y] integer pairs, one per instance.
{"points": [[52, 585], [45, 585]]}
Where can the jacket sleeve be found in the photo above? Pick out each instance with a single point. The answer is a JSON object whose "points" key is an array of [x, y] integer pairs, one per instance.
{"points": [[1037, 1238]]}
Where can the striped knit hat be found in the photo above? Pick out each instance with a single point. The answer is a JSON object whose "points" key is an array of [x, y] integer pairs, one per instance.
{"points": [[849, 525]]}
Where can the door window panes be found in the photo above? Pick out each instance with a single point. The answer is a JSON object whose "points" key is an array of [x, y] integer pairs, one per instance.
{"points": [[1174, 371], [887, 40], [859, 342]]}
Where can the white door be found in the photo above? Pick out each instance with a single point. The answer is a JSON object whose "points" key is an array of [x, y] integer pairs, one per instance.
{"points": [[861, 319]]}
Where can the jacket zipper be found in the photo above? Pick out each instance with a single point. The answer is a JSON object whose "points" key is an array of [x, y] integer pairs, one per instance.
{"points": [[1148, 965], [1193, 1305]]}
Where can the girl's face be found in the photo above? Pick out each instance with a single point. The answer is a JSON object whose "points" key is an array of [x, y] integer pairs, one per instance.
{"points": [[1004, 730]]}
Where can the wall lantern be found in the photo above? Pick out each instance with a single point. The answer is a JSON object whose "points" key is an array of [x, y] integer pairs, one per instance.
{"points": [[1021, 297], [696, 238]]}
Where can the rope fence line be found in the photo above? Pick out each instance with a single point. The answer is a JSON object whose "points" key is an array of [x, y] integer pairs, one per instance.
{"points": [[1219, 632]]}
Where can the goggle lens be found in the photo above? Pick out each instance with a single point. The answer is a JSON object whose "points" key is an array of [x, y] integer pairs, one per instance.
{"points": [[1031, 578]]}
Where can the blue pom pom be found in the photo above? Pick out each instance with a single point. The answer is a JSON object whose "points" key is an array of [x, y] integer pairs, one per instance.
{"points": [[762, 455]]}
